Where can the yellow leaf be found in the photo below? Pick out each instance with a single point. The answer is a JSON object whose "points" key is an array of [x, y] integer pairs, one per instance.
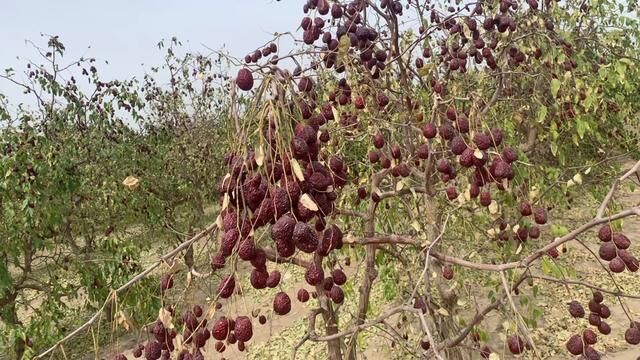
{"points": [[131, 182], [494, 356], [225, 201], [123, 320], [443, 312], [493, 207], [399, 185], [297, 170], [307, 202], [478, 154], [219, 221], [165, 317], [577, 178], [260, 156]]}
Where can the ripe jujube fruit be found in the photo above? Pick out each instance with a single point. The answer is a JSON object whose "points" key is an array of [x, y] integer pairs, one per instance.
{"points": [[604, 328], [575, 345], [447, 272], [605, 233], [336, 294], [632, 335], [303, 295], [281, 304], [540, 216], [378, 141], [274, 279], [576, 310], [616, 265], [621, 241], [607, 251], [429, 131], [485, 198], [589, 337], [244, 79], [243, 329], [515, 344]]}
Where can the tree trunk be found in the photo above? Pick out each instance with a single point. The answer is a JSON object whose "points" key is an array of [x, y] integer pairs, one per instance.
{"points": [[9, 315]]}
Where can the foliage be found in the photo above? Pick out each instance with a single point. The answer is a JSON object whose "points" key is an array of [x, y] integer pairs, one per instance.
{"points": [[72, 230]]}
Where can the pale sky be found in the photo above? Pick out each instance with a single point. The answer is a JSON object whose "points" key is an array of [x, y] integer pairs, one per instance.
{"points": [[126, 32]]}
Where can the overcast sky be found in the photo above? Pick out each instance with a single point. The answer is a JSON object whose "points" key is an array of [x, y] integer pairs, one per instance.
{"points": [[126, 32]]}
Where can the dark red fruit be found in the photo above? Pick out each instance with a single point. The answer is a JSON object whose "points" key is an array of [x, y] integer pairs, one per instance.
{"points": [[597, 297], [621, 241], [281, 304], [226, 287], [604, 328], [525, 209], [396, 152], [605, 233], [166, 282], [423, 151], [336, 294], [485, 198], [378, 141], [244, 79], [429, 131], [617, 265], [607, 251], [314, 275], [540, 216], [243, 329], [274, 279], [220, 329], [452, 193], [303, 295], [594, 319], [153, 350], [534, 232], [516, 345], [589, 337], [632, 335], [574, 345], [447, 272], [576, 310], [482, 141], [485, 352], [197, 310], [339, 277], [258, 278]]}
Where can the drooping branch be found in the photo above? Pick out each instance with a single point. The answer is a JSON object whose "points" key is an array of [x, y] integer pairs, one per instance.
{"points": [[140, 276]]}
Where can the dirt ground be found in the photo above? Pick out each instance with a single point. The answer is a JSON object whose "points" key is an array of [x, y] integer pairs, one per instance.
{"points": [[280, 334]]}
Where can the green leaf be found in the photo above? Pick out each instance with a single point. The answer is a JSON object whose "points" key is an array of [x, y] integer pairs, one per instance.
{"points": [[555, 86], [542, 113]]}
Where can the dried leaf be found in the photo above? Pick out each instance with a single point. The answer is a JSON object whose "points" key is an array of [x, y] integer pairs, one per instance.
{"points": [[478, 154], [577, 178], [297, 170], [225, 201], [308, 202], [219, 222], [443, 312], [131, 182], [260, 156], [165, 317], [493, 207]]}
